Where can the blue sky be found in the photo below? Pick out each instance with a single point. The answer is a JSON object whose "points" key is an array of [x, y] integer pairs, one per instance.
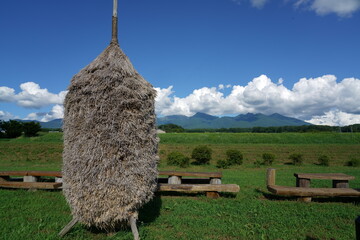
{"points": [[299, 58]]}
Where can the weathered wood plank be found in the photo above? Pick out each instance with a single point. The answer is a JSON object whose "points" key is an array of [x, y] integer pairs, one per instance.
{"points": [[29, 185], [187, 180], [330, 176], [270, 176], [58, 173], [31, 173], [192, 174], [312, 192], [163, 187]]}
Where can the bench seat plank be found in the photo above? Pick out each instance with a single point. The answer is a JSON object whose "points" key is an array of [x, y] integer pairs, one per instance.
{"points": [[31, 185], [192, 174], [330, 176], [59, 174], [199, 187], [32, 173], [312, 192]]}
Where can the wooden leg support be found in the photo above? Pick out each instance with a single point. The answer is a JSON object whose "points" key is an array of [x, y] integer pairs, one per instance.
{"points": [[134, 228], [304, 199], [213, 195], [68, 227]]}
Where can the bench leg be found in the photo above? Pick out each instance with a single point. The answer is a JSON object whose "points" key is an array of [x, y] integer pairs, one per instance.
{"points": [[304, 199], [340, 184], [174, 180], [30, 179], [302, 182], [212, 195]]}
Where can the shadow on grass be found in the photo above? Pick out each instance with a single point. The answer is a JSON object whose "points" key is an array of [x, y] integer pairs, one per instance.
{"points": [[147, 214], [311, 238]]}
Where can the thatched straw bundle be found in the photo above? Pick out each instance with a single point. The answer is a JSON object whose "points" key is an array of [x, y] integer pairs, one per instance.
{"points": [[110, 142]]}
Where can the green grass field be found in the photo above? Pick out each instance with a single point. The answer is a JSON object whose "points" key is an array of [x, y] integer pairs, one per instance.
{"points": [[253, 213]]}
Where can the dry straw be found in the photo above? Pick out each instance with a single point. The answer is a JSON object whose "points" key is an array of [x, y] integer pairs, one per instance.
{"points": [[110, 143]]}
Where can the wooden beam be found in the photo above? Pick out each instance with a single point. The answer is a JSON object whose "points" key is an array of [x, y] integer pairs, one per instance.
{"points": [[163, 187], [330, 176], [192, 174], [32, 173], [30, 185], [312, 192]]}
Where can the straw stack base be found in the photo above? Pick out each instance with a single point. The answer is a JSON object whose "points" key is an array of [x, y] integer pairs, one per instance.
{"points": [[72, 223]]}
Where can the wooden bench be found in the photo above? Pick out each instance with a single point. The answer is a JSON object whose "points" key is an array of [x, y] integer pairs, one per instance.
{"points": [[209, 182], [305, 193], [31, 179]]}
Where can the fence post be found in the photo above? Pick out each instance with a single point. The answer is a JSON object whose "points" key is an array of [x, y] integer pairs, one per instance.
{"points": [[357, 227]]}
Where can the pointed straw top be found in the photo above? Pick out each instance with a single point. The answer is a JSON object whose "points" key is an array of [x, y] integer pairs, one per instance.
{"points": [[114, 38]]}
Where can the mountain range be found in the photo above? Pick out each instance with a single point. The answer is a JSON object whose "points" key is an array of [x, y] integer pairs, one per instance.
{"points": [[249, 120], [202, 120]]}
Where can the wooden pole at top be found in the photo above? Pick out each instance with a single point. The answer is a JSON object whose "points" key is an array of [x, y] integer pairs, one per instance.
{"points": [[114, 37]]}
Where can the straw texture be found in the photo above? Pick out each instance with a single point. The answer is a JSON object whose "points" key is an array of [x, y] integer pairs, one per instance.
{"points": [[110, 143]]}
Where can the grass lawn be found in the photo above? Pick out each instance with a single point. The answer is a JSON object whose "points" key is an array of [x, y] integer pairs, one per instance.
{"points": [[253, 213]]}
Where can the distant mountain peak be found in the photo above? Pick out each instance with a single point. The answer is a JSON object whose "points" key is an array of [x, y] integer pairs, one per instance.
{"points": [[204, 116]]}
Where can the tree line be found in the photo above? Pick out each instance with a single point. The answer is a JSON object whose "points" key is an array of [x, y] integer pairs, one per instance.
{"points": [[14, 129], [304, 128]]}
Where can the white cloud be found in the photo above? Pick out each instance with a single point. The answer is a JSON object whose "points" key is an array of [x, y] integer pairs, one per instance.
{"points": [[308, 97], [258, 3], [6, 116], [335, 118], [7, 94], [56, 112], [342, 8], [255, 3], [31, 96]]}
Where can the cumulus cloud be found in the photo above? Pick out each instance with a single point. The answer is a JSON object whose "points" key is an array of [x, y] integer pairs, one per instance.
{"points": [[56, 112], [335, 118], [308, 98], [343, 8], [6, 116], [31, 96]]}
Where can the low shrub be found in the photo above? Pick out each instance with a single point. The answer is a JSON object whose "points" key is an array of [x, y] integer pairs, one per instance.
{"points": [[354, 162], [234, 157], [202, 155], [258, 163], [268, 158], [222, 164], [296, 158], [324, 160], [178, 159]]}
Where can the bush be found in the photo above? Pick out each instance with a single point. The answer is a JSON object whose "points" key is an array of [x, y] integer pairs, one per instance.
{"points": [[324, 160], [354, 162], [297, 158], [222, 164], [178, 159], [31, 129], [268, 158], [258, 163], [171, 128], [202, 154], [234, 157]]}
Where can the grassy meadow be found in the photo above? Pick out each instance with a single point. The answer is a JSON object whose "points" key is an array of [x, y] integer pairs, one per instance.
{"points": [[253, 213]]}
